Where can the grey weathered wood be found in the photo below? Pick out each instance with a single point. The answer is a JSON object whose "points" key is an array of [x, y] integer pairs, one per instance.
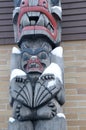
{"points": [[16, 125], [37, 69]]}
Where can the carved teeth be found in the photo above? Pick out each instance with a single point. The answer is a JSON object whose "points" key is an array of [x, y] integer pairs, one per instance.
{"points": [[32, 22], [40, 21], [35, 18], [37, 66], [34, 65], [46, 21], [33, 14], [49, 26], [25, 20]]}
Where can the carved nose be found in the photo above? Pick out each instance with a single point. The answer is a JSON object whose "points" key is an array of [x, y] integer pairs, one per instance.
{"points": [[33, 57]]}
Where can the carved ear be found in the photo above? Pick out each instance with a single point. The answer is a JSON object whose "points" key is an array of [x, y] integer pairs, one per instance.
{"points": [[57, 58], [57, 10], [15, 58], [17, 72]]}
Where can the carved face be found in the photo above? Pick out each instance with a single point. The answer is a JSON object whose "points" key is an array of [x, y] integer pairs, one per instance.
{"points": [[39, 17], [54, 2], [35, 57]]}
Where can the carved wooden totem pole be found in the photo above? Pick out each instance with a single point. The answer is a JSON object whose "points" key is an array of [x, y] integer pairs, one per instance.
{"points": [[37, 70]]}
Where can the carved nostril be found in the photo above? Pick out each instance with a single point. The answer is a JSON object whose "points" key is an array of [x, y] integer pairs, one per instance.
{"points": [[23, 2], [44, 2]]}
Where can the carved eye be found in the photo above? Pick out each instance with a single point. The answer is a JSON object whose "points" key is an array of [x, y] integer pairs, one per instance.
{"points": [[43, 3], [43, 55], [55, 2], [26, 56]]}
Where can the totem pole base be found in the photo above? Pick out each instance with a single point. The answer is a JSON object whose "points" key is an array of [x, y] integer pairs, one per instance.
{"points": [[16, 125], [57, 123]]}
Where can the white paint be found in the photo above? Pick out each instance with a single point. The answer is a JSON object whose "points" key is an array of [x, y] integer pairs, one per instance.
{"points": [[17, 8], [51, 83], [11, 119], [53, 69], [61, 115], [58, 51], [17, 72], [57, 8], [16, 51]]}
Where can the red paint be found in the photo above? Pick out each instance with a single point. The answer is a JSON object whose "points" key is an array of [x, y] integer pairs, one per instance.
{"points": [[36, 69], [26, 9]]}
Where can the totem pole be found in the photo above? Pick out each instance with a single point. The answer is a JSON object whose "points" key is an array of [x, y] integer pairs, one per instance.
{"points": [[37, 71]]}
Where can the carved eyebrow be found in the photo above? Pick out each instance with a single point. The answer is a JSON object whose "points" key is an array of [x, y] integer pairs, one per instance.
{"points": [[34, 52]]}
